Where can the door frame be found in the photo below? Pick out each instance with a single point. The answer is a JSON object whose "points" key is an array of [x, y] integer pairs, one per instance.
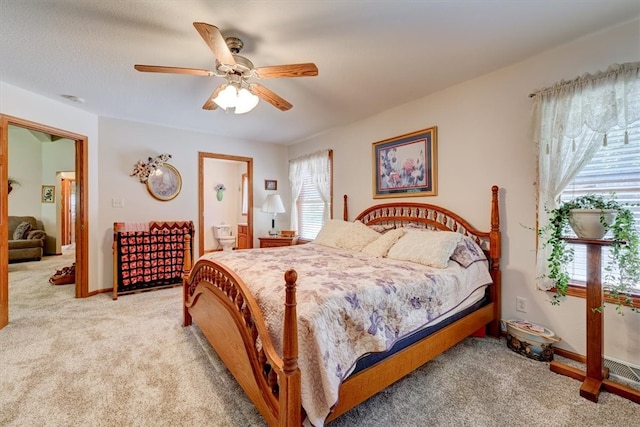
{"points": [[82, 205], [201, 158]]}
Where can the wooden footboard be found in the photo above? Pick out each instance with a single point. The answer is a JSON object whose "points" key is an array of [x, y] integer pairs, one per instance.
{"points": [[229, 317], [227, 313]]}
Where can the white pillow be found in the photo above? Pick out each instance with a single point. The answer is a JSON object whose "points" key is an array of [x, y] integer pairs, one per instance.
{"points": [[380, 246], [331, 231], [357, 236], [432, 248]]}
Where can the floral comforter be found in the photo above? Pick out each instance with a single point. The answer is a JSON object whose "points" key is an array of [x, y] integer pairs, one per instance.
{"points": [[349, 304]]}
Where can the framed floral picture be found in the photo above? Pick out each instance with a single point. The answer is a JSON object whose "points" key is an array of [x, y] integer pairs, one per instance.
{"points": [[48, 194], [405, 165]]}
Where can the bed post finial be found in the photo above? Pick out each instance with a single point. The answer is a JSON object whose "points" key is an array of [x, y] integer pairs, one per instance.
{"points": [[186, 266], [290, 401]]}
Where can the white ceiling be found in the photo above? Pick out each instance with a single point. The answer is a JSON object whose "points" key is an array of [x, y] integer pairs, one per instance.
{"points": [[371, 55]]}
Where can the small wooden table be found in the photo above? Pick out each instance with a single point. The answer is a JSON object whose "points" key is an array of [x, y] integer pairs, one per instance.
{"points": [[275, 241], [595, 377]]}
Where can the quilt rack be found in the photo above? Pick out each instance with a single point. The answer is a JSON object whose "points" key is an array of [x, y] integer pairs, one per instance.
{"points": [[148, 255]]}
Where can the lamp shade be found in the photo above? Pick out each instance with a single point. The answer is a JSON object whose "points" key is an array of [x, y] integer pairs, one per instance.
{"points": [[246, 101], [241, 100], [273, 204], [226, 97]]}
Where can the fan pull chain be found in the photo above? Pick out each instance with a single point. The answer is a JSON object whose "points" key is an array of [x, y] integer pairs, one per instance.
{"points": [[604, 140], [626, 137], [573, 145]]}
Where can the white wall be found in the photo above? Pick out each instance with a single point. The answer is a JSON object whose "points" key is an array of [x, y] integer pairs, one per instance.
{"points": [[484, 139], [123, 143], [25, 157]]}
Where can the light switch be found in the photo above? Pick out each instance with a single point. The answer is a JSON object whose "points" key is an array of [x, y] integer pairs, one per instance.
{"points": [[117, 202]]}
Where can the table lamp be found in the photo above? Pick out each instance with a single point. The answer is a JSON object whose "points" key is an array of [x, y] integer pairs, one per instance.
{"points": [[273, 205]]}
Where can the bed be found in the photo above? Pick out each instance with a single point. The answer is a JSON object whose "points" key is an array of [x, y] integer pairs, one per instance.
{"points": [[231, 297]]}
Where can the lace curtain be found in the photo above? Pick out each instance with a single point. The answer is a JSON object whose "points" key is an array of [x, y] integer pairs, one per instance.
{"points": [[570, 123], [315, 165]]}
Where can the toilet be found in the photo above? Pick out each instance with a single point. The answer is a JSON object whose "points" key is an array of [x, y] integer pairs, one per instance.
{"points": [[223, 234]]}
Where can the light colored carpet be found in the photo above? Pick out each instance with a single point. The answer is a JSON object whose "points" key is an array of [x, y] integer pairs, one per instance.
{"points": [[99, 362]]}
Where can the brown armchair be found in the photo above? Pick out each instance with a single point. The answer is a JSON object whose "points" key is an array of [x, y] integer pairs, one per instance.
{"points": [[26, 238]]}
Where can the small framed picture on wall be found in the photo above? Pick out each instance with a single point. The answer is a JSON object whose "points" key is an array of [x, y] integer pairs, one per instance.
{"points": [[270, 184], [48, 194]]}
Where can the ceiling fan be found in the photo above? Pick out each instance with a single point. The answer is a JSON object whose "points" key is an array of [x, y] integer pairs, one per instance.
{"points": [[238, 93]]}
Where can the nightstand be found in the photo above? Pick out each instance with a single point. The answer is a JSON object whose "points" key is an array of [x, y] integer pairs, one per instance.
{"points": [[274, 241]]}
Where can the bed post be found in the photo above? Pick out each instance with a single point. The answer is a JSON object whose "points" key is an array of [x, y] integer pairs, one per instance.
{"points": [[186, 269], [290, 413], [345, 213], [495, 241], [114, 248]]}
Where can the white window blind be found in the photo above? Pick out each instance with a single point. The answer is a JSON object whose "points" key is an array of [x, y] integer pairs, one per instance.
{"points": [[311, 207], [615, 168]]}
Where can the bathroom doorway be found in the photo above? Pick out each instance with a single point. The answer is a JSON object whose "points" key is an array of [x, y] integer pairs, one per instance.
{"points": [[225, 196]]}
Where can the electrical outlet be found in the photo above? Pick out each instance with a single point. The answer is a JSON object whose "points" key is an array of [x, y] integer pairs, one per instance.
{"points": [[521, 304], [117, 202]]}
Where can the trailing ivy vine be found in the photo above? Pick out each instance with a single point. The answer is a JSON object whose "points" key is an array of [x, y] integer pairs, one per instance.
{"points": [[622, 270]]}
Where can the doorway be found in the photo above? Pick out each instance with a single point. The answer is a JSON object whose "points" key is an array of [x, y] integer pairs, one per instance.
{"points": [[81, 230], [245, 202], [67, 208]]}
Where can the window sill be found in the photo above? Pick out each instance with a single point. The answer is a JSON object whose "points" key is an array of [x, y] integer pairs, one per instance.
{"points": [[580, 291]]}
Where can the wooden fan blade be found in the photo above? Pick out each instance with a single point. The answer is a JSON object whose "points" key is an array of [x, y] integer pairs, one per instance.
{"points": [[215, 41], [210, 105], [172, 70], [292, 70], [269, 96]]}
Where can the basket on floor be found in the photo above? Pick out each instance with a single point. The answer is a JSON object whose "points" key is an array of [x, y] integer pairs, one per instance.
{"points": [[530, 340], [64, 276]]}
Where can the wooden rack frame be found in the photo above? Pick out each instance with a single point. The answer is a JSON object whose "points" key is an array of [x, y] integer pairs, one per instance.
{"points": [[156, 274]]}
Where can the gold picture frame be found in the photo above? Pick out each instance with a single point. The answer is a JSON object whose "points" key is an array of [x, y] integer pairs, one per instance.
{"points": [[48, 194], [405, 165], [164, 183]]}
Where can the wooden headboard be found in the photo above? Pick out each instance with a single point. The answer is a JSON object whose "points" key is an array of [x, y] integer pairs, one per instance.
{"points": [[399, 214]]}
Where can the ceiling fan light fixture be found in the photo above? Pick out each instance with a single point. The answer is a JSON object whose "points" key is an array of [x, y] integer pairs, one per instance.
{"points": [[226, 97], [246, 101], [242, 101]]}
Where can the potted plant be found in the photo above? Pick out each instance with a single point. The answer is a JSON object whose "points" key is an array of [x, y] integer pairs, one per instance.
{"points": [[12, 182], [623, 266]]}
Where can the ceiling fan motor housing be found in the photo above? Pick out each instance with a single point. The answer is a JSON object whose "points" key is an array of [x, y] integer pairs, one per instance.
{"points": [[234, 44], [242, 66]]}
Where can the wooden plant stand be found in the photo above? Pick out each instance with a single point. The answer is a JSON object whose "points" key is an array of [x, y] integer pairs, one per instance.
{"points": [[596, 376]]}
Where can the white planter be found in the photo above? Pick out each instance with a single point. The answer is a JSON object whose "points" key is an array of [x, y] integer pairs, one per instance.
{"points": [[586, 222]]}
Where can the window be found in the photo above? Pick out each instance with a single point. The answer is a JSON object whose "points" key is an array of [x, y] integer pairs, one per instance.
{"points": [[311, 182], [614, 168], [579, 128]]}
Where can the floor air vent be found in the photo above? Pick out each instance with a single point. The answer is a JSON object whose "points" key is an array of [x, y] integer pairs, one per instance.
{"points": [[623, 370]]}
